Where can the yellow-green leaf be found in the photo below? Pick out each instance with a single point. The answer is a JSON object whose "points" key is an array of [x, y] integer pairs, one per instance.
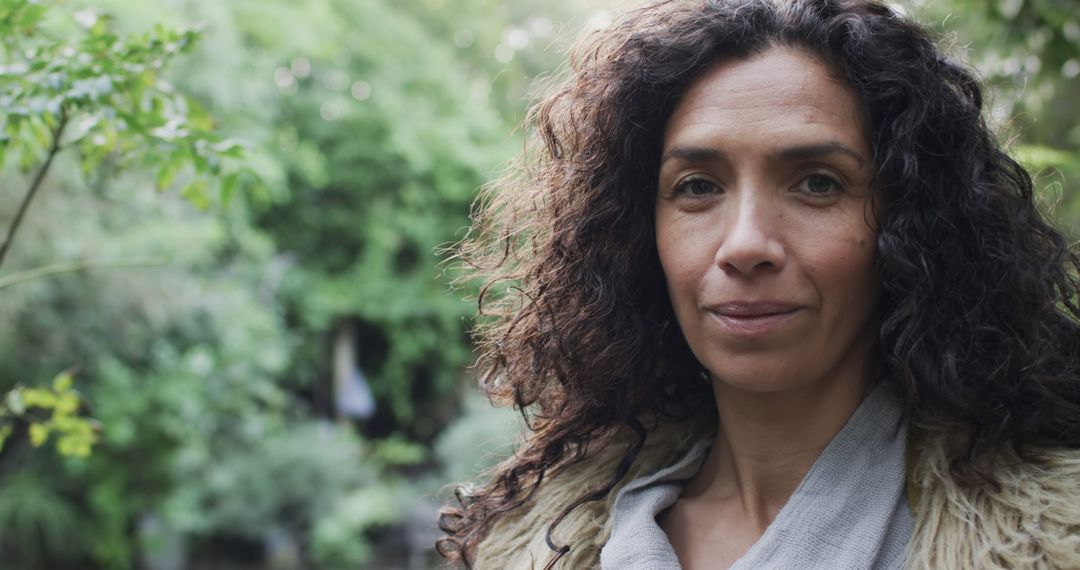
{"points": [[67, 404], [195, 192], [39, 433], [38, 398], [63, 382], [71, 446]]}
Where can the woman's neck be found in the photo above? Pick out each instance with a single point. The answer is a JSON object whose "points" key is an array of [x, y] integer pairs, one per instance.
{"points": [[767, 442]]}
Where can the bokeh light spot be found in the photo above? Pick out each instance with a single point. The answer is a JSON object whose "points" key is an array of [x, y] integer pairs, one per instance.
{"points": [[361, 90], [464, 38], [504, 53], [301, 67]]}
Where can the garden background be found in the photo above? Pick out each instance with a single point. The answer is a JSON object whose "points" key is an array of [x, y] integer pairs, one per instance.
{"points": [[226, 338]]}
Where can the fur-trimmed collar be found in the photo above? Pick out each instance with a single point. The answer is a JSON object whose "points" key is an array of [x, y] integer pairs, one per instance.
{"points": [[1033, 521]]}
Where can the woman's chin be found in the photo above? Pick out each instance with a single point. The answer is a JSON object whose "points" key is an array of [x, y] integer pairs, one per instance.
{"points": [[770, 379], [763, 382]]}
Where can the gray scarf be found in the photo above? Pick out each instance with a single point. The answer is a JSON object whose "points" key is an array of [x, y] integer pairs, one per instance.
{"points": [[850, 511]]}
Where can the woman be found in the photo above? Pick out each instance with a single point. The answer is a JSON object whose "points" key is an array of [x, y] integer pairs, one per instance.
{"points": [[770, 295]]}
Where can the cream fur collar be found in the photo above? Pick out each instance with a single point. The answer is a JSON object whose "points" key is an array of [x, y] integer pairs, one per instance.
{"points": [[1033, 522]]}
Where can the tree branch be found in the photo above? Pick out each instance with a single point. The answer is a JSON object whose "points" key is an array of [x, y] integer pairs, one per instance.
{"points": [[54, 149], [74, 266]]}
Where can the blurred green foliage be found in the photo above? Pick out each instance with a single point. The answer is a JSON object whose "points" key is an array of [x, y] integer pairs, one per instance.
{"points": [[202, 317], [102, 93], [206, 361], [1028, 51]]}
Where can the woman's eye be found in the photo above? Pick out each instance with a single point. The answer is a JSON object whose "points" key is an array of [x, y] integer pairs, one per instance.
{"points": [[696, 187], [818, 185]]}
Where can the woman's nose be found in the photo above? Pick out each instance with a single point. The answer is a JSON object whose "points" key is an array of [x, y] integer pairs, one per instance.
{"points": [[751, 237]]}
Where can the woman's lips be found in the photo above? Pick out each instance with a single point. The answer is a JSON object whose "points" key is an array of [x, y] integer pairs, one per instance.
{"points": [[753, 318]]}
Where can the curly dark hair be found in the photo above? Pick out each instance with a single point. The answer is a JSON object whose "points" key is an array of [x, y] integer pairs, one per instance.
{"points": [[978, 313]]}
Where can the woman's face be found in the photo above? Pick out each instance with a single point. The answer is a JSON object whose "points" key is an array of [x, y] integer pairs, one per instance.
{"points": [[762, 223]]}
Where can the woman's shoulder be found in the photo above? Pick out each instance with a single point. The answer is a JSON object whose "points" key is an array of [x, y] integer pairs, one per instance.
{"points": [[519, 538], [1030, 520]]}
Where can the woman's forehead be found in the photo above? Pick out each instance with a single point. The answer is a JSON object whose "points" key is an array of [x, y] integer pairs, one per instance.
{"points": [[783, 93]]}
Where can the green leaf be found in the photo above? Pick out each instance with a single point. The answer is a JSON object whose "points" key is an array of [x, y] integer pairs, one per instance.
{"points": [[195, 192], [66, 405], [29, 15], [39, 434], [63, 381], [166, 174], [39, 398], [228, 187], [74, 446]]}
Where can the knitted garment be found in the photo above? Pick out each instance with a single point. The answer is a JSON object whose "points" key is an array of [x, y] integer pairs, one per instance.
{"points": [[849, 512], [1032, 522]]}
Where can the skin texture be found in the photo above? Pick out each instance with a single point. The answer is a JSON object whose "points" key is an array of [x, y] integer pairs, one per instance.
{"points": [[764, 231]]}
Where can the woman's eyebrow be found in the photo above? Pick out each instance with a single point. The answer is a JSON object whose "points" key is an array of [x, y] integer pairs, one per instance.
{"points": [[692, 154], [812, 151]]}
